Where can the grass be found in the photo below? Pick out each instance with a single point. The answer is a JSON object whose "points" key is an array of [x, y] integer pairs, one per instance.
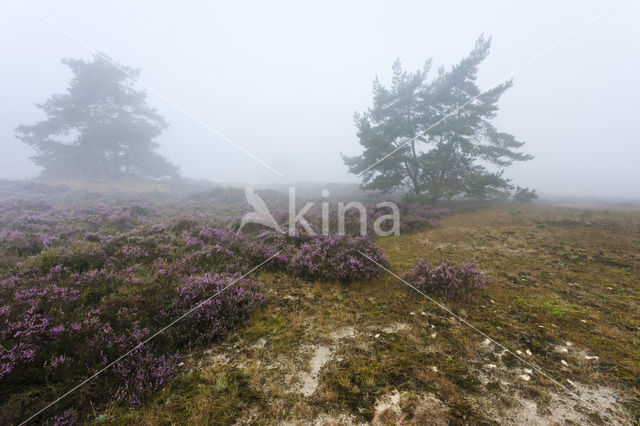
{"points": [[560, 274]]}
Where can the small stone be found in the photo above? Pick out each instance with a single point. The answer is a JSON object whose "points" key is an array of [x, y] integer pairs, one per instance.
{"points": [[486, 342], [528, 371], [563, 362], [519, 352], [590, 357], [412, 313], [376, 336], [525, 377], [434, 369], [491, 366], [528, 352], [433, 336]]}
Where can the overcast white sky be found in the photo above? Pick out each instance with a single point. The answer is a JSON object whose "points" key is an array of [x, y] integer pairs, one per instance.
{"points": [[283, 79]]}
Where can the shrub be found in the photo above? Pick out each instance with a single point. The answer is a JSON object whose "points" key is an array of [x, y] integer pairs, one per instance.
{"points": [[218, 314], [417, 217], [337, 258], [78, 257], [143, 371], [454, 281], [70, 310]]}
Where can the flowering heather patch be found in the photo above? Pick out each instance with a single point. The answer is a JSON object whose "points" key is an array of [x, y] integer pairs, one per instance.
{"points": [[417, 217], [454, 281], [337, 258], [62, 326], [414, 216], [82, 285], [143, 371], [133, 252], [218, 315], [330, 257]]}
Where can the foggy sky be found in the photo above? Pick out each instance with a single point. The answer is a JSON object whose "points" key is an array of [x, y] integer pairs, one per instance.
{"points": [[283, 79]]}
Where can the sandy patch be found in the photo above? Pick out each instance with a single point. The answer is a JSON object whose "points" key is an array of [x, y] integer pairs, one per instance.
{"points": [[310, 379], [344, 333], [425, 410], [395, 327], [563, 409]]}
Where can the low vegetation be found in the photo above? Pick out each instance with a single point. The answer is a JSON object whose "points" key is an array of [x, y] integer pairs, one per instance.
{"points": [[319, 332], [448, 279], [567, 292]]}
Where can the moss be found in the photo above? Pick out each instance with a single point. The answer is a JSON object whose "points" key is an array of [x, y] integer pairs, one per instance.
{"points": [[357, 382], [555, 308]]}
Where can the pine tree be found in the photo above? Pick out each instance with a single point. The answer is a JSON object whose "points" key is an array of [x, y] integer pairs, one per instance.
{"points": [[439, 154], [100, 128]]}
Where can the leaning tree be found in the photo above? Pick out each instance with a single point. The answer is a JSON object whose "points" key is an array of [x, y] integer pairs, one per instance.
{"points": [[434, 135], [100, 128]]}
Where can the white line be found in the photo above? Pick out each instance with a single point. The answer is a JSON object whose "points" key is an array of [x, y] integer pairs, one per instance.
{"points": [[147, 340], [449, 311], [506, 77], [145, 85]]}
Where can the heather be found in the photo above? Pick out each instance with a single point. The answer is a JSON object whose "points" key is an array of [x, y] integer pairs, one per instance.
{"points": [[82, 286], [337, 258], [453, 280], [414, 216], [62, 326], [419, 217], [86, 277]]}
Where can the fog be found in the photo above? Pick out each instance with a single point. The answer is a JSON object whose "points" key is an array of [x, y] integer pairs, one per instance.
{"points": [[283, 79]]}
